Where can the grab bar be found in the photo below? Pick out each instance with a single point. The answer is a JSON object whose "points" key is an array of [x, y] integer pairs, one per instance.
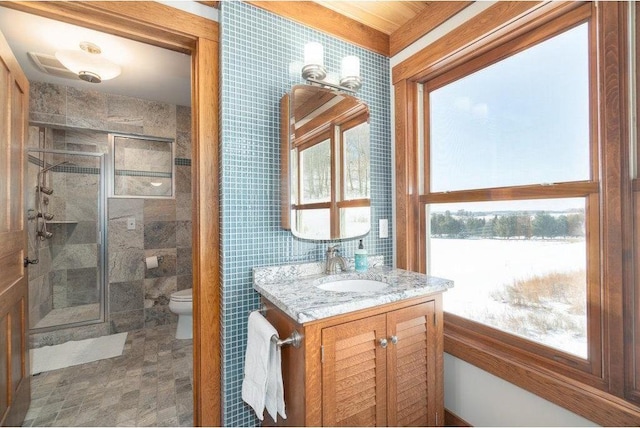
{"points": [[295, 340]]}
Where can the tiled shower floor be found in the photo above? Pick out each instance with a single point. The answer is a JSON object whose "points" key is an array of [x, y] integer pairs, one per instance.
{"points": [[71, 314], [150, 384]]}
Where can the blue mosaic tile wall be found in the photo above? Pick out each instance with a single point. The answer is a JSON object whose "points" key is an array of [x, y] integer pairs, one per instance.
{"points": [[256, 48]]}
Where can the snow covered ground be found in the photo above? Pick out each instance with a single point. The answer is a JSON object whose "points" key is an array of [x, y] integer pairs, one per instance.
{"points": [[481, 268]]}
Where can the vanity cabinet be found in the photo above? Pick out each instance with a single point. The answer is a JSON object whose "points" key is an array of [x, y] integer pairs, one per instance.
{"points": [[375, 367]]}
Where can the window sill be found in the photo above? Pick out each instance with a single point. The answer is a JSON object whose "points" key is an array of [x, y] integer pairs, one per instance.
{"points": [[585, 400]]}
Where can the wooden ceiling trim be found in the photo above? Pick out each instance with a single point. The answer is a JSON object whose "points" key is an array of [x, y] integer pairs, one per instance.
{"points": [[215, 4], [385, 16], [500, 15], [434, 14], [328, 21]]}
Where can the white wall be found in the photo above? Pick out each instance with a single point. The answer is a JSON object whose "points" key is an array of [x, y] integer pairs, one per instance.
{"points": [[471, 393], [483, 399]]}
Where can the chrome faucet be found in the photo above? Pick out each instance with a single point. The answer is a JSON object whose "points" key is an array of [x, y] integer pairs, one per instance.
{"points": [[334, 259]]}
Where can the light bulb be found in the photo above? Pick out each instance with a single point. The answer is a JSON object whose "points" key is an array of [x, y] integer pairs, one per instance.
{"points": [[350, 67], [313, 62], [313, 54]]}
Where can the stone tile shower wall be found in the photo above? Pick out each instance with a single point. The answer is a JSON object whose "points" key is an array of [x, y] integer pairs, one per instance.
{"points": [[79, 121], [257, 48]]}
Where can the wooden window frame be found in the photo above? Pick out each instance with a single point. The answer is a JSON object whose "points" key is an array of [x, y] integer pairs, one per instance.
{"points": [[597, 393], [632, 247], [589, 370]]}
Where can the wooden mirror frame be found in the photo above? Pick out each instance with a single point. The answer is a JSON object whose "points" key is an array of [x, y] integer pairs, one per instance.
{"points": [[159, 25]]}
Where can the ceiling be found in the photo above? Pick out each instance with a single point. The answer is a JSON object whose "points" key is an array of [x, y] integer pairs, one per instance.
{"points": [[148, 72], [384, 16]]}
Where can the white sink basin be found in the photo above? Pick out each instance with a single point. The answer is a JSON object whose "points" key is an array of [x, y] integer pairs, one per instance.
{"points": [[353, 285]]}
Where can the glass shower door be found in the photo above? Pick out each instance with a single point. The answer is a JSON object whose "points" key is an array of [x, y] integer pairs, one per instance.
{"points": [[66, 231]]}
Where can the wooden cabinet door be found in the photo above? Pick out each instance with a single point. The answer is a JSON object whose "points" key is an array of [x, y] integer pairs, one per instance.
{"points": [[14, 357], [354, 374], [412, 367]]}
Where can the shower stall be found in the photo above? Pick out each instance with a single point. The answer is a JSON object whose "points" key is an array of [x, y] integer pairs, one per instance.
{"points": [[66, 232]]}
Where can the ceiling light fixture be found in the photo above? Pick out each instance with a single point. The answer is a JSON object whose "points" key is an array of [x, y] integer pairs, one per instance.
{"points": [[88, 63], [315, 72]]}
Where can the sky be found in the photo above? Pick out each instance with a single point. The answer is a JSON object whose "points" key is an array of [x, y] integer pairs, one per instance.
{"points": [[523, 120]]}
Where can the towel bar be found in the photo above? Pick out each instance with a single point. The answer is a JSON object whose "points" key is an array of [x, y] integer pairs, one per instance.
{"points": [[295, 340], [262, 310]]}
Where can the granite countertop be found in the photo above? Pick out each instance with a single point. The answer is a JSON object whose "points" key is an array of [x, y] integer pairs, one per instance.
{"points": [[293, 289]]}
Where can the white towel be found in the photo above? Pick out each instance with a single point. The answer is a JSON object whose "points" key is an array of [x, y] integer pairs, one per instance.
{"points": [[262, 384]]}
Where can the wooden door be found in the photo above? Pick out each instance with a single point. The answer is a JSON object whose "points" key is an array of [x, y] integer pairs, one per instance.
{"points": [[354, 373], [14, 357], [412, 366]]}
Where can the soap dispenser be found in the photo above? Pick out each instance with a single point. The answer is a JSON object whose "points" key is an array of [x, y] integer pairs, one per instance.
{"points": [[361, 258]]}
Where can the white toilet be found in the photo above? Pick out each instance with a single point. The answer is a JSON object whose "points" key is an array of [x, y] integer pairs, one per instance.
{"points": [[181, 304]]}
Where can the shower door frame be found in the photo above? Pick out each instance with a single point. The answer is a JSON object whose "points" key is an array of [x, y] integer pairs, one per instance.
{"points": [[102, 236]]}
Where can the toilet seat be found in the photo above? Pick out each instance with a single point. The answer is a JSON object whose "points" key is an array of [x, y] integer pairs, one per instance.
{"points": [[182, 295]]}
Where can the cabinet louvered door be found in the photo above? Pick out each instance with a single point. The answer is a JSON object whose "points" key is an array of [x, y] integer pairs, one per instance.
{"points": [[412, 379], [354, 374]]}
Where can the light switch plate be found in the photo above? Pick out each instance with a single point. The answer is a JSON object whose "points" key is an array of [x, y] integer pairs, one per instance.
{"points": [[384, 228], [131, 223]]}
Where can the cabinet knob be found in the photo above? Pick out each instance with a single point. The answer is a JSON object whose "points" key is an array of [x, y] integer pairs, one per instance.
{"points": [[383, 342], [394, 339]]}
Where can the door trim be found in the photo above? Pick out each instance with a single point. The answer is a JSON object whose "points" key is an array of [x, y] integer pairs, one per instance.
{"points": [[164, 26]]}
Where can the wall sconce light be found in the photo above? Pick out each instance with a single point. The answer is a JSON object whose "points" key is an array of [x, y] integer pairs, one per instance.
{"points": [[315, 72], [88, 63], [313, 62], [350, 73]]}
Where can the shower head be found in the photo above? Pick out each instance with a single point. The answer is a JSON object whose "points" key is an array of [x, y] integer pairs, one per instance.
{"points": [[44, 189]]}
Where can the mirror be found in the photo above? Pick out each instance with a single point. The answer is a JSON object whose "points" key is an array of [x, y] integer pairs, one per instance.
{"points": [[325, 183], [143, 167]]}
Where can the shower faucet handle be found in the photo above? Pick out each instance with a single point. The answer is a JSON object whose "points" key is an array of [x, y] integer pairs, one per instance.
{"points": [[28, 261]]}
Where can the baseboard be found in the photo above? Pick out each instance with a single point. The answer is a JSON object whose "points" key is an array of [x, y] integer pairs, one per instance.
{"points": [[453, 420]]}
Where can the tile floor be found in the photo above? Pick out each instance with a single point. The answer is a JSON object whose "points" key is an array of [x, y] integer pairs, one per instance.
{"points": [[70, 314], [150, 384]]}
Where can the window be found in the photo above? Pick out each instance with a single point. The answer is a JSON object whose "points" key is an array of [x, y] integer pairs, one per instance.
{"points": [[520, 260], [522, 120], [315, 172], [473, 173], [355, 213], [329, 208], [518, 266]]}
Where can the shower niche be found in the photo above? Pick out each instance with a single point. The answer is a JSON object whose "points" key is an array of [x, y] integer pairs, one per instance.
{"points": [[143, 167]]}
